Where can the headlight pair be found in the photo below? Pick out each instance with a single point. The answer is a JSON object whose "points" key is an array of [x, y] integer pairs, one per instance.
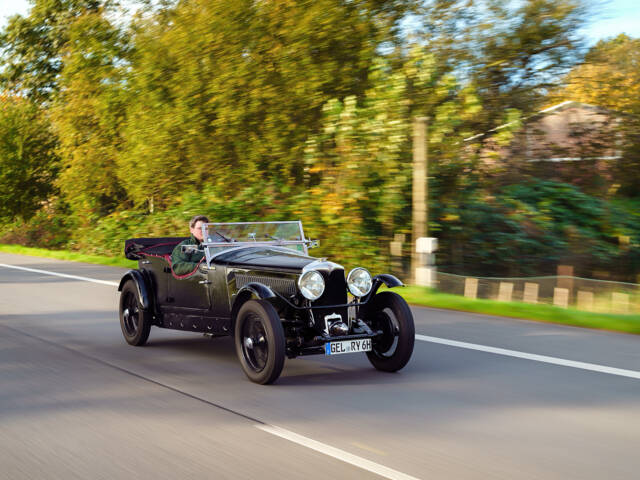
{"points": [[312, 285]]}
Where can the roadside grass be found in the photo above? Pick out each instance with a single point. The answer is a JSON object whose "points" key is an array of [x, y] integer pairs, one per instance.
{"points": [[421, 296], [67, 255], [545, 313]]}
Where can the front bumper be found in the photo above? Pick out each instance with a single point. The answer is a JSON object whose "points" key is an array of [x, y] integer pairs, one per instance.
{"points": [[315, 346]]}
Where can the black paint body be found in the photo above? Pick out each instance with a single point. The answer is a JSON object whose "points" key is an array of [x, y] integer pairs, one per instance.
{"points": [[208, 300]]}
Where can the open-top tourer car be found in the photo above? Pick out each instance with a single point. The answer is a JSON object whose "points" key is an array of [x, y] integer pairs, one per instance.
{"points": [[257, 283]]}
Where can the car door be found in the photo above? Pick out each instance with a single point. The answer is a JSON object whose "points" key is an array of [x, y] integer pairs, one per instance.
{"points": [[191, 292]]}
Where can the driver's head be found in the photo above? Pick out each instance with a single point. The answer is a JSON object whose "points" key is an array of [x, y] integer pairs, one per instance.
{"points": [[195, 226]]}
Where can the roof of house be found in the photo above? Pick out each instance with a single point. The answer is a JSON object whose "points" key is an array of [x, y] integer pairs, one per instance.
{"points": [[554, 108]]}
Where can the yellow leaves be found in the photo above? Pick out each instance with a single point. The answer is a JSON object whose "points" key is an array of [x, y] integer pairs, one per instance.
{"points": [[609, 78], [470, 102], [512, 123], [420, 65]]}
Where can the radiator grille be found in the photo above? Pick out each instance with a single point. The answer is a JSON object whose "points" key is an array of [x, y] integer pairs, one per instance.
{"points": [[284, 286]]}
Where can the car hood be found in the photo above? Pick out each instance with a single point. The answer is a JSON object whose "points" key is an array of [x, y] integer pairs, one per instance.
{"points": [[264, 257]]}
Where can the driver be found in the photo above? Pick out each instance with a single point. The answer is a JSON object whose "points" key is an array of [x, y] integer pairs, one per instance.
{"points": [[186, 262]]}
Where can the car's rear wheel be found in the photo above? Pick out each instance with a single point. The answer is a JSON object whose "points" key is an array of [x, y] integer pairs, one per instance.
{"points": [[134, 321], [260, 342], [389, 313]]}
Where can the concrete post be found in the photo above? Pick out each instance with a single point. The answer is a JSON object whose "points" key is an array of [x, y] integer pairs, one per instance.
{"points": [[471, 287], [566, 271], [420, 189], [620, 302], [585, 300], [530, 294], [505, 291], [395, 248], [561, 297], [425, 273]]}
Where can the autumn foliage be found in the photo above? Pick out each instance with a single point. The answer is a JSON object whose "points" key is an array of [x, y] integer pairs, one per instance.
{"points": [[118, 125]]}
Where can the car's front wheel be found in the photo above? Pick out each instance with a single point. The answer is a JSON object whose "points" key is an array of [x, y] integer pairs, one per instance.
{"points": [[260, 342], [388, 312], [134, 321]]}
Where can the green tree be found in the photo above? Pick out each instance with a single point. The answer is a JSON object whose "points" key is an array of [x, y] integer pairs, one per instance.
{"points": [[609, 77], [513, 52], [359, 169], [222, 93], [528, 228], [32, 45], [88, 112], [27, 160]]}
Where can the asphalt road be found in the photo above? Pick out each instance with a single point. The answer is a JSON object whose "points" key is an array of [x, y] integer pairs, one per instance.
{"points": [[77, 402]]}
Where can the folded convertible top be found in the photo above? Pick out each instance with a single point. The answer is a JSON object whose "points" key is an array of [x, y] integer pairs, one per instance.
{"points": [[153, 246]]}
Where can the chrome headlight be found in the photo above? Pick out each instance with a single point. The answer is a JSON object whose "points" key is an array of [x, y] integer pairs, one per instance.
{"points": [[311, 285], [359, 282]]}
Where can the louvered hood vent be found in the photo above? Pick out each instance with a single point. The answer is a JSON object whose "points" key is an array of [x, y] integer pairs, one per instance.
{"points": [[284, 286]]}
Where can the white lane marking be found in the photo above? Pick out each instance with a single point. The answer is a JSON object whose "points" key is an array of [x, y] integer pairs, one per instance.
{"points": [[334, 452], [452, 343], [532, 356], [64, 275]]}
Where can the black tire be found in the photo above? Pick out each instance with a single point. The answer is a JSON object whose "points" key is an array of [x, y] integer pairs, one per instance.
{"points": [[390, 313], [260, 343], [134, 321]]}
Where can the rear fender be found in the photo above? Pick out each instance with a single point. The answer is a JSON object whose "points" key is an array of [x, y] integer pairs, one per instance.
{"points": [[142, 287]]}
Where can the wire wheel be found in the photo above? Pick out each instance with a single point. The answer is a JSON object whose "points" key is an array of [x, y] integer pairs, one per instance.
{"points": [[134, 321], [389, 313], [386, 345], [130, 314], [254, 343], [260, 343]]}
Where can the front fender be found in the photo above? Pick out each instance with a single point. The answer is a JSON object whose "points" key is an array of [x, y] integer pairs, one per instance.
{"points": [[258, 289], [247, 292], [141, 287], [387, 279]]}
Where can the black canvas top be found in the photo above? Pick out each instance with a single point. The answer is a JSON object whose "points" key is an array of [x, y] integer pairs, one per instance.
{"points": [[154, 246]]}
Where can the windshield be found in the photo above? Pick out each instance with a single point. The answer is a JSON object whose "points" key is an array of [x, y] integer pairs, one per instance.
{"points": [[219, 237]]}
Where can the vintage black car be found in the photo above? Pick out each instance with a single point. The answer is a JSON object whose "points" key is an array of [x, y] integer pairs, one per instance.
{"points": [[257, 282]]}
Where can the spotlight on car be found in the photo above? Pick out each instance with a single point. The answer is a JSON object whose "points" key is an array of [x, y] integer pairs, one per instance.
{"points": [[339, 329], [311, 285], [359, 282]]}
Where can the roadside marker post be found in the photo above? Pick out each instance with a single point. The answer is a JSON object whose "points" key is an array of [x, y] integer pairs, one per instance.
{"points": [[530, 294], [505, 291], [561, 297], [471, 287]]}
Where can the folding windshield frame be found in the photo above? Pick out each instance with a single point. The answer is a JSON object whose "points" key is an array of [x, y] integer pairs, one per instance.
{"points": [[253, 243]]}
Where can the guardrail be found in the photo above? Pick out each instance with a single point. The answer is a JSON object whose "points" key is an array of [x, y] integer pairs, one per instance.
{"points": [[562, 291]]}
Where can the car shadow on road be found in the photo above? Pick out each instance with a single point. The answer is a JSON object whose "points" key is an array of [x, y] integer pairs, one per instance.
{"points": [[193, 348], [301, 371], [327, 375]]}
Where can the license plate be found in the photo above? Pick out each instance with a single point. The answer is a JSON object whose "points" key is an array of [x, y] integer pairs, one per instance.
{"points": [[348, 346]]}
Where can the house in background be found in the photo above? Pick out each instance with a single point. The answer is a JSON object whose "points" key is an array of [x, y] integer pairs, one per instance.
{"points": [[594, 148], [571, 142]]}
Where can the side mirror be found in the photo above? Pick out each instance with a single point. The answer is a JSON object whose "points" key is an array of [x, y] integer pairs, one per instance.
{"points": [[314, 243]]}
